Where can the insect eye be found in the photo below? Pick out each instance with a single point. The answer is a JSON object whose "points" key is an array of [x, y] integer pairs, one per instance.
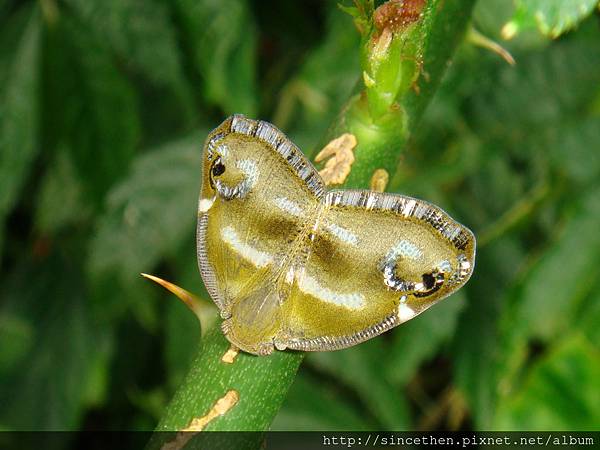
{"points": [[218, 168]]}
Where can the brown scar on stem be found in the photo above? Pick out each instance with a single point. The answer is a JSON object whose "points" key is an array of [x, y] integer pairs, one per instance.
{"points": [[197, 424], [379, 180], [397, 14], [382, 43], [340, 152], [230, 355]]}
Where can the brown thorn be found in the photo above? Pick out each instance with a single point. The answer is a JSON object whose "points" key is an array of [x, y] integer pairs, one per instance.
{"points": [[202, 309]]}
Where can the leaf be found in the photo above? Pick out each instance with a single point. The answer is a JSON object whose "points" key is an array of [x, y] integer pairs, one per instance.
{"points": [[303, 408], [222, 37], [16, 335], [546, 304], [38, 393], [589, 317], [563, 276], [475, 357], [310, 101], [493, 18], [19, 115], [561, 392], [97, 115], [3, 8], [60, 201], [489, 16], [476, 347], [552, 17], [141, 33], [359, 367], [150, 212], [573, 149], [419, 339], [538, 93], [362, 14]]}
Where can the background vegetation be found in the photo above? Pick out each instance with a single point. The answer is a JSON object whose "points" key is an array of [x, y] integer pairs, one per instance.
{"points": [[104, 105]]}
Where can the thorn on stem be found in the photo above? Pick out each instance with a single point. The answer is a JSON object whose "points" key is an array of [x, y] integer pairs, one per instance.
{"points": [[476, 38], [203, 310]]}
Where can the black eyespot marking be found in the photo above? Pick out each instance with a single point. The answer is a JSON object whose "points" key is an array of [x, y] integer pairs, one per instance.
{"points": [[432, 282], [428, 281], [218, 168]]}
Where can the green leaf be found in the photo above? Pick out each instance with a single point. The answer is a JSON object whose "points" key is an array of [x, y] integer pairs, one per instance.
{"points": [[589, 317], [561, 391], [475, 357], [563, 276], [19, 114], [546, 304], [552, 17], [493, 18], [141, 33], [359, 367], [310, 101], [540, 92], [3, 8], [222, 37], [362, 14], [40, 394], [60, 200], [148, 215], [476, 347], [17, 337], [303, 409], [573, 149], [490, 15], [91, 108], [419, 339], [150, 212]]}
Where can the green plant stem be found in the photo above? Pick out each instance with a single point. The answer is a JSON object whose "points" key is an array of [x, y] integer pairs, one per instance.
{"points": [[383, 136], [262, 382]]}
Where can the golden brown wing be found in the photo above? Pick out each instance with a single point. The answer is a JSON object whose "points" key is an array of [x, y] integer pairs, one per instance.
{"points": [[375, 260], [258, 193]]}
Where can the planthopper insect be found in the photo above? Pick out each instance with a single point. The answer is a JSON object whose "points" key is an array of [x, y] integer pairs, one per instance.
{"points": [[292, 264]]}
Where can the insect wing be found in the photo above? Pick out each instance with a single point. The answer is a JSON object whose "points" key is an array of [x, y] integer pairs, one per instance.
{"points": [[375, 260], [258, 192]]}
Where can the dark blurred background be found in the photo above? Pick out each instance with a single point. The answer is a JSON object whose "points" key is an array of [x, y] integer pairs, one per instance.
{"points": [[104, 105]]}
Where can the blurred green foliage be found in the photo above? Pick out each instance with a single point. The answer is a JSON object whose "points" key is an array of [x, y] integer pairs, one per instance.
{"points": [[103, 109]]}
